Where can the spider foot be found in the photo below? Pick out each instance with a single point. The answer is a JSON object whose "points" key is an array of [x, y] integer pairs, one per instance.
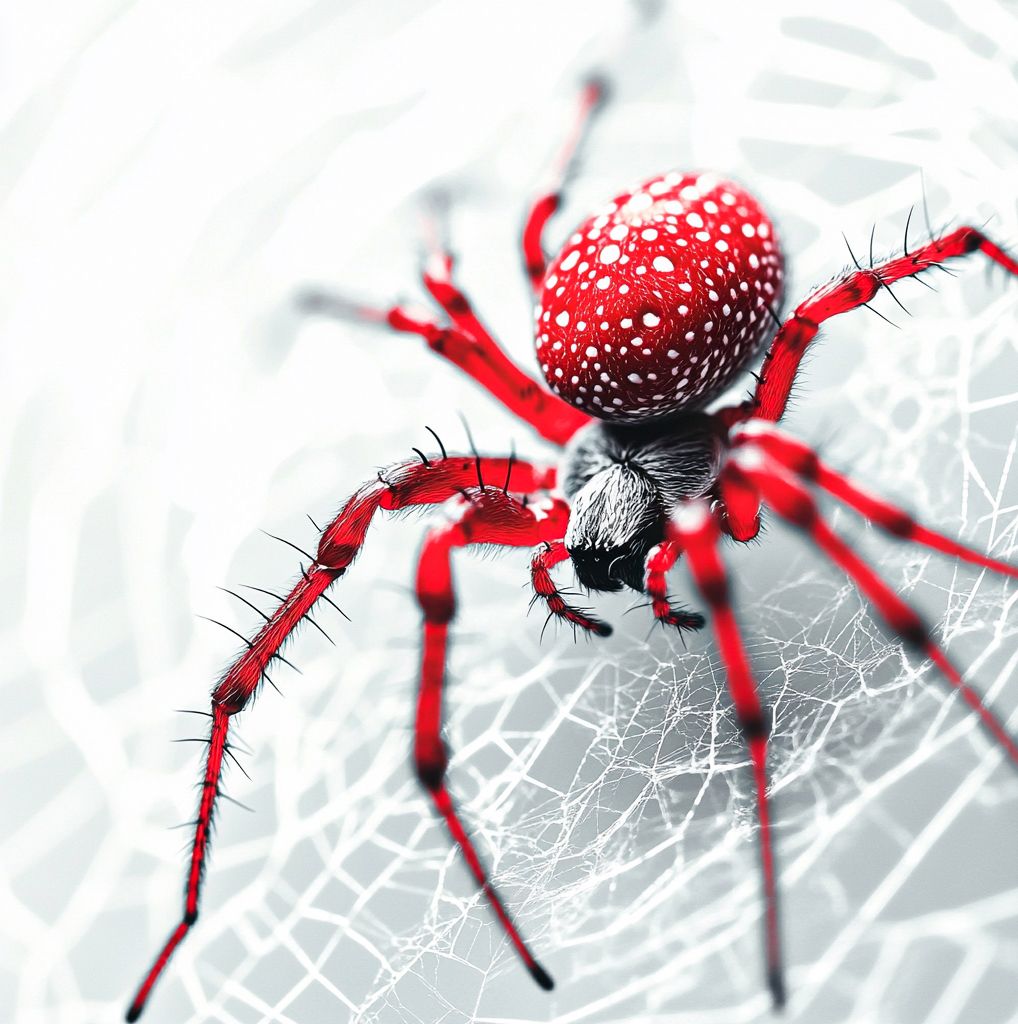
{"points": [[578, 618], [314, 300], [776, 983], [681, 619], [541, 976]]}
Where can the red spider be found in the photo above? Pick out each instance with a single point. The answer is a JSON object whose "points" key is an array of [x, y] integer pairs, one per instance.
{"points": [[651, 308]]}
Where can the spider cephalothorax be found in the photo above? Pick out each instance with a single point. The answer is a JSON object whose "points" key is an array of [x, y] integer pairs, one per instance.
{"points": [[644, 316]]}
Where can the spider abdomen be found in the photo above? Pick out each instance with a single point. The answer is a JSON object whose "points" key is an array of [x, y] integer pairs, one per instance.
{"points": [[659, 299]]}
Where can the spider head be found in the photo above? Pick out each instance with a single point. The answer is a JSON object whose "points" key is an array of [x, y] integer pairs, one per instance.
{"points": [[616, 518], [622, 482]]}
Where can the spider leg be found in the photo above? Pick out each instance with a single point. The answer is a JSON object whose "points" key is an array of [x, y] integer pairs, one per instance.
{"points": [[793, 503], [545, 557], [548, 414], [660, 560], [845, 293], [695, 531], [738, 508], [798, 457], [491, 517], [544, 205], [402, 486], [477, 355], [468, 343]]}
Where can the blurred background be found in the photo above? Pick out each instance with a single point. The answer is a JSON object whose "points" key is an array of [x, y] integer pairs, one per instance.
{"points": [[173, 176]]}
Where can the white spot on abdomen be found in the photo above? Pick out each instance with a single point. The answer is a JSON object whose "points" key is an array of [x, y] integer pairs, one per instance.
{"points": [[610, 253]]}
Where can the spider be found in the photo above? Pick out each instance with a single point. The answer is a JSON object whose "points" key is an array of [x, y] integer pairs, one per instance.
{"points": [[649, 311]]}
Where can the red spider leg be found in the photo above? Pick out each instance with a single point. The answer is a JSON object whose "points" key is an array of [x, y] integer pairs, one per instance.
{"points": [[558, 420], [489, 517], [660, 560], [546, 557], [804, 462], [478, 356], [696, 532], [841, 295], [738, 509], [544, 205], [793, 502], [404, 485]]}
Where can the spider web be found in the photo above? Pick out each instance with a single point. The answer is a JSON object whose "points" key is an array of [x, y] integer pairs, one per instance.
{"points": [[172, 180]]}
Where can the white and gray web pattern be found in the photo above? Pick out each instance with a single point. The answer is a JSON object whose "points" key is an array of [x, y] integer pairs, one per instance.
{"points": [[171, 181]]}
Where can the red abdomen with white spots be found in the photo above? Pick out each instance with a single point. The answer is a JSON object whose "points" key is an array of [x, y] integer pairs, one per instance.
{"points": [[659, 299]]}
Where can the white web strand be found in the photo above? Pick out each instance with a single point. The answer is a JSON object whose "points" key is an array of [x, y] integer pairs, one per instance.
{"points": [[174, 181]]}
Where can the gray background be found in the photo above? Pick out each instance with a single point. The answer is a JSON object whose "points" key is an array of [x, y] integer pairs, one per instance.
{"points": [[172, 176]]}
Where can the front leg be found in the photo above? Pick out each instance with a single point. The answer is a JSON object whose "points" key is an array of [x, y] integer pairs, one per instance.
{"points": [[693, 527], [841, 295]]}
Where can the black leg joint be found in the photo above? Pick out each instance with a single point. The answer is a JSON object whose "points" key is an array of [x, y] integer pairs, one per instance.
{"points": [[458, 304], [716, 591], [971, 241], [430, 771], [900, 525], [758, 727], [915, 636]]}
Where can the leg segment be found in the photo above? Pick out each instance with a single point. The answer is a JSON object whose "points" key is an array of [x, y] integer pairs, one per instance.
{"points": [[489, 518], [401, 486], [660, 560], [738, 509], [793, 503], [481, 358], [843, 294], [467, 342], [477, 355], [545, 558], [695, 531], [551, 417], [806, 464], [544, 205]]}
